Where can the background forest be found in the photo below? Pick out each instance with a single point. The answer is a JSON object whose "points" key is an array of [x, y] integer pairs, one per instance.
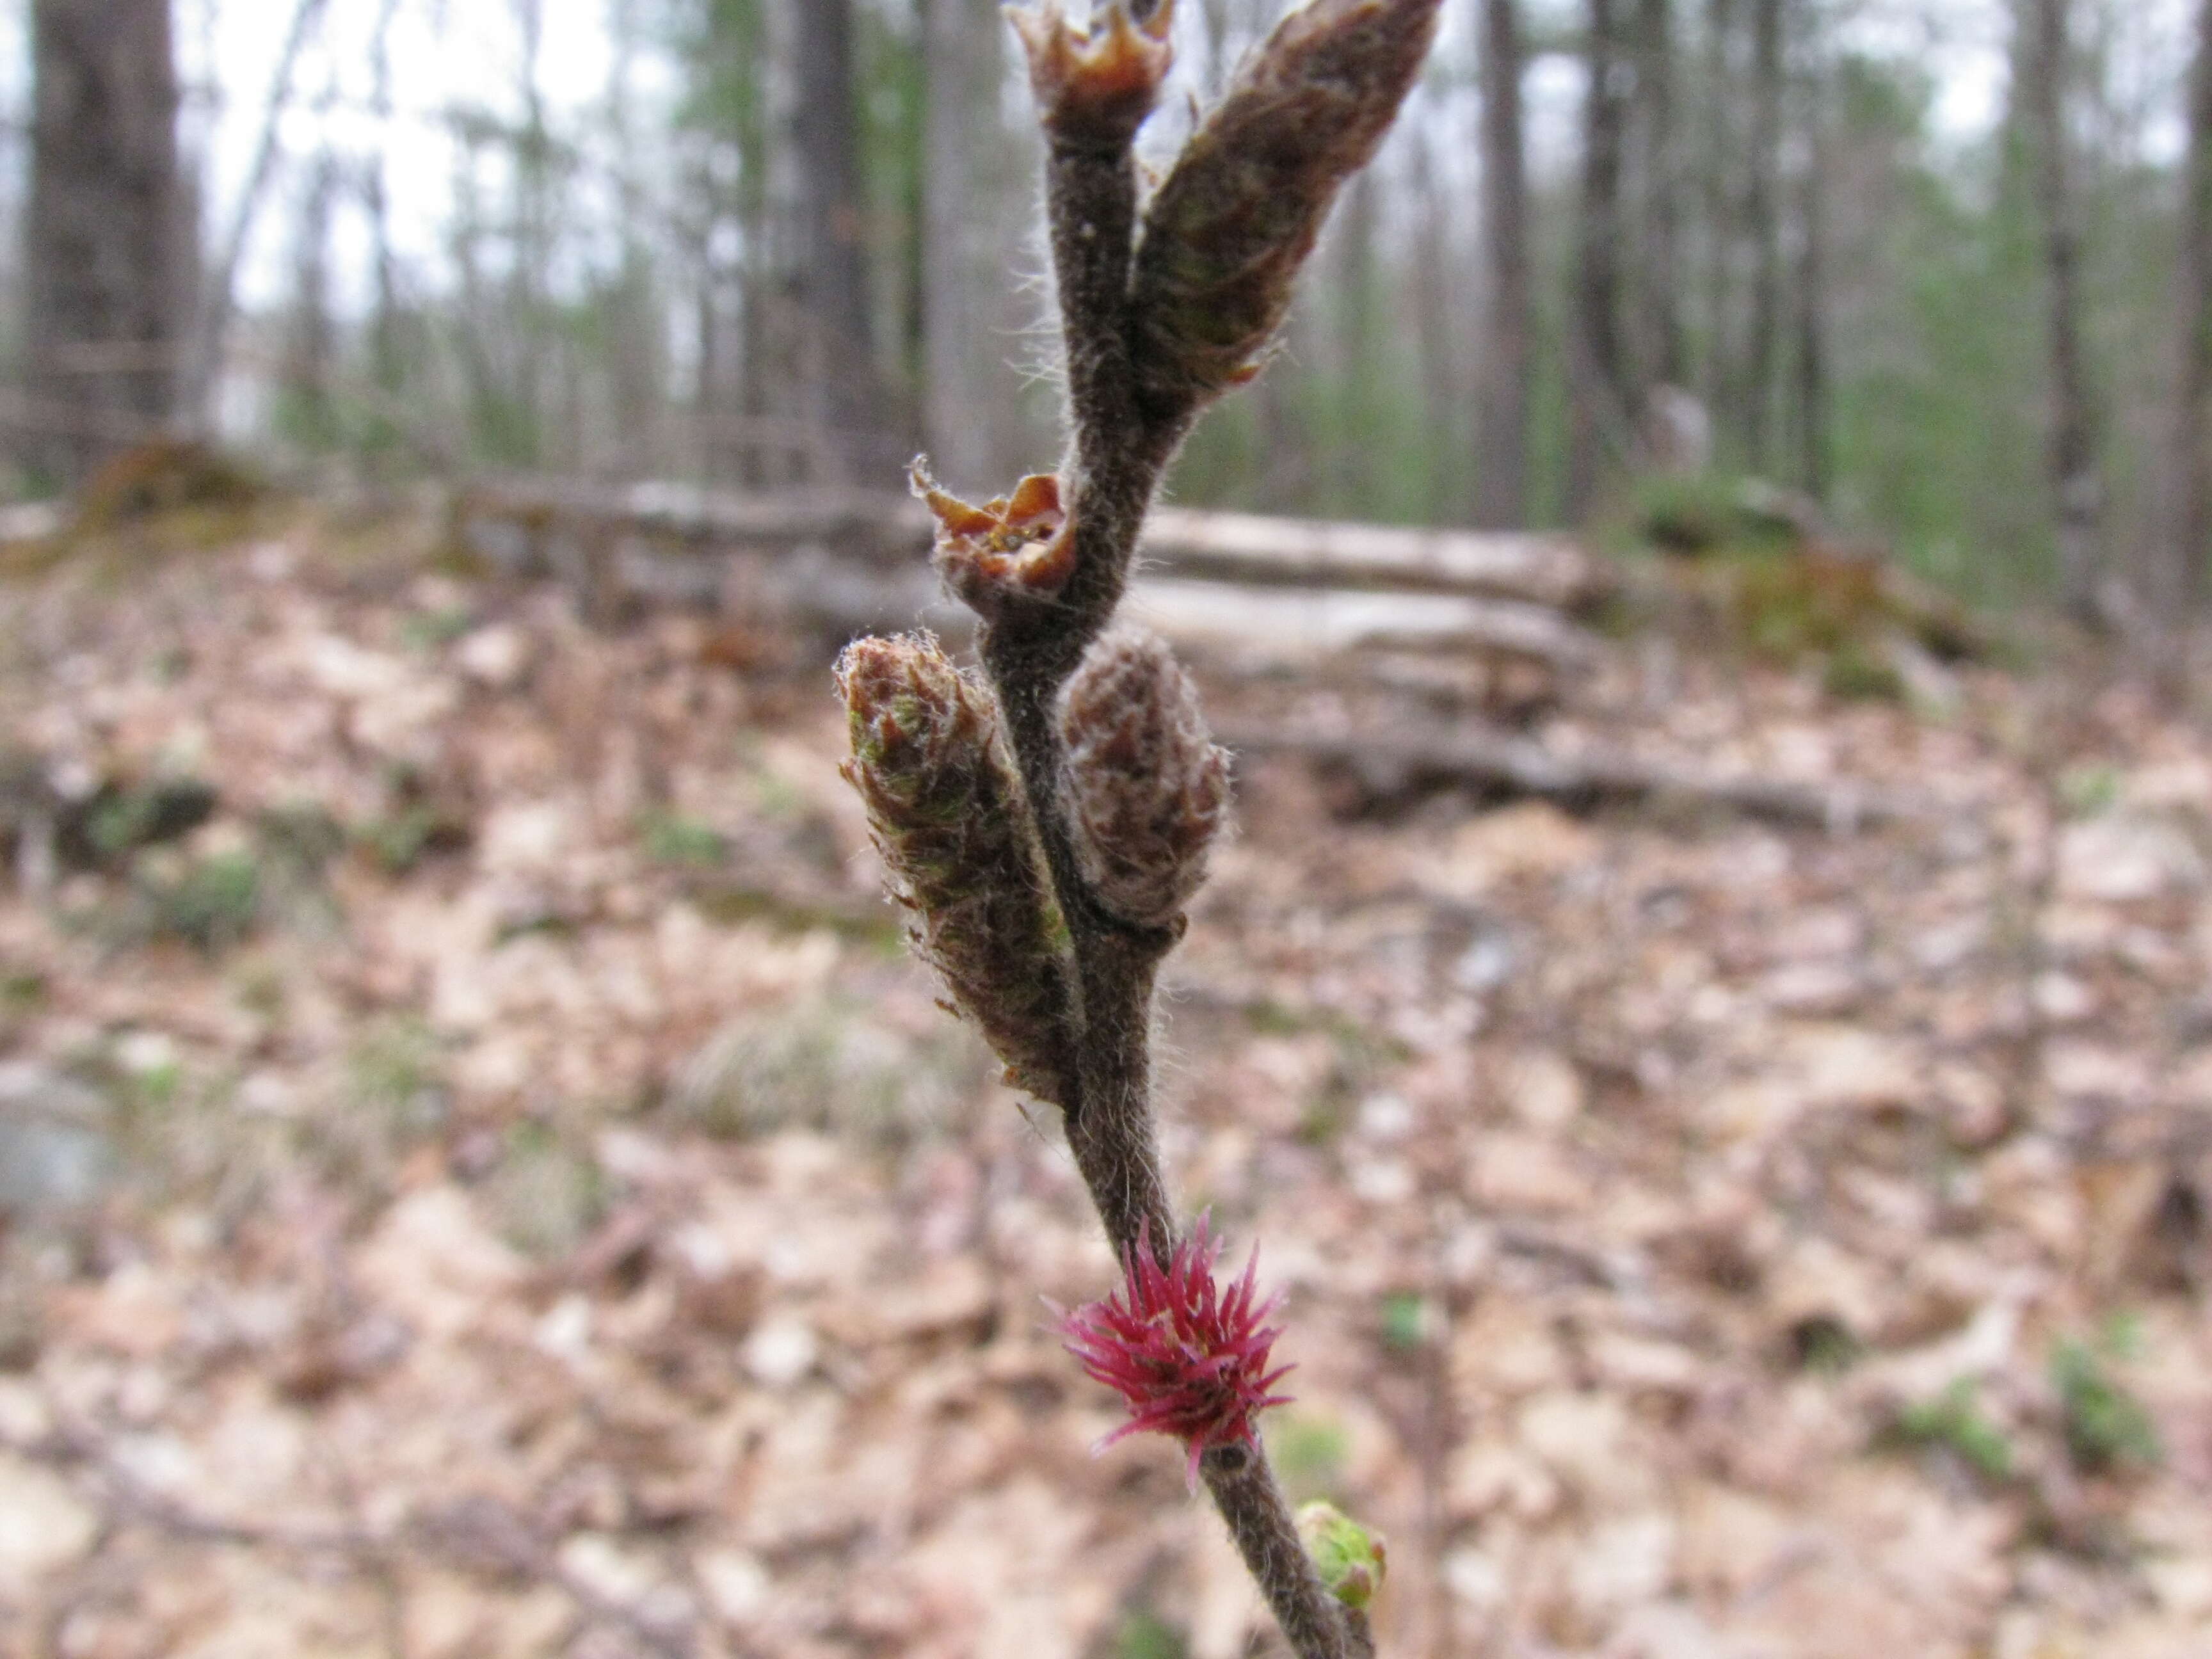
{"points": [[1931, 262]]}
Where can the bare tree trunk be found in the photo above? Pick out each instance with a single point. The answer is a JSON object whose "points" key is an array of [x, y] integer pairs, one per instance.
{"points": [[384, 350], [1601, 395], [1722, 155], [1355, 272], [1502, 480], [310, 355], [954, 33], [1660, 304], [1760, 230], [533, 349], [2075, 483], [977, 195], [831, 245], [1444, 496], [108, 252], [2193, 464], [1811, 381]]}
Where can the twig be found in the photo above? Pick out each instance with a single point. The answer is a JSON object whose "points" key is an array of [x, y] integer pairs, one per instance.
{"points": [[1164, 305]]}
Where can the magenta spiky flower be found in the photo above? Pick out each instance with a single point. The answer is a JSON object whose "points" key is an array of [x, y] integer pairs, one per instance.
{"points": [[1190, 1358]]}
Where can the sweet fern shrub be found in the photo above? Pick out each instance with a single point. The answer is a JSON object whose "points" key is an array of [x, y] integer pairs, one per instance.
{"points": [[1045, 818]]}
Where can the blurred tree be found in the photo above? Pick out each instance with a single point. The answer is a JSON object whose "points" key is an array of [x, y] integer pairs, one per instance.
{"points": [[307, 411], [2042, 58], [1809, 382], [2193, 451], [1761, 232], [831, 272], [1502, 472], [219, 302], [1660, 348], [1601, 397], [720, 221], [1722, 163], [109, 257]]}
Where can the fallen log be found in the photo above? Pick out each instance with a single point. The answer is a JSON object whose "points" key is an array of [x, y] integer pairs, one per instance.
{"points": [[884, 529], [1250, 547], [1388, 763], [1257, 629], [1240, 631]]}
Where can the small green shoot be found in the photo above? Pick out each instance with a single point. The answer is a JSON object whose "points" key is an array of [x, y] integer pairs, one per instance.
{"points": [[427, 630], [2107, 1427], [672, 839], [1405, 1321], [209, 903], [2090, 789], [1145, 1635], [1954, 1422], [396, 844]]}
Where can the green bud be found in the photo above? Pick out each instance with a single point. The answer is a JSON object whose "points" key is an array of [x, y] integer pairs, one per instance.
{"points": [[1349, 1556]]}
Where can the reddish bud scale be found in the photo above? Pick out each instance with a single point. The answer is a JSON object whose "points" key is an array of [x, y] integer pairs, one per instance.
{"points": [[1094, 86], [1023, 544], [1146, 789], [1190, 1358]]}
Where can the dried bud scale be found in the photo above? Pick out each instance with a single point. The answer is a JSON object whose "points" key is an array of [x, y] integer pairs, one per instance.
{"points": [[1224, 235], [1146, 789], [1096, 85], [1023, 544], [954, 830], [1190, 1358]]}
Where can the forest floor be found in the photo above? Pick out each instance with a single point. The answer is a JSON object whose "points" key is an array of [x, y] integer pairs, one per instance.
{"points": [[496, 1188]]}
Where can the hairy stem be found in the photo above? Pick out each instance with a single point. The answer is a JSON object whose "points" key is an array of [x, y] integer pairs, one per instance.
{"points": [[1028, 649], [1251, 1501], [1150, 335]]}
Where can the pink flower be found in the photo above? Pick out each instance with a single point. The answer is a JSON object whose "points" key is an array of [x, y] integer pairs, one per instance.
{"points": [[1190, 1358]]}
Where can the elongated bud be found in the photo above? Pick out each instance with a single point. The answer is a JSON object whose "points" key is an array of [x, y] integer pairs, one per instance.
{"points": [[953, 828], [1350, 1558], [1022, 544], [1094, 86], [1146, 789], [1226, 235]]}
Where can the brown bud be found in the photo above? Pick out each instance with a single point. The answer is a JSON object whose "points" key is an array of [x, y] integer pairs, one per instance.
{"points": [[1096, 85], [1024, 544], [954, 830], [1146, 789], [1226, 235]]}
